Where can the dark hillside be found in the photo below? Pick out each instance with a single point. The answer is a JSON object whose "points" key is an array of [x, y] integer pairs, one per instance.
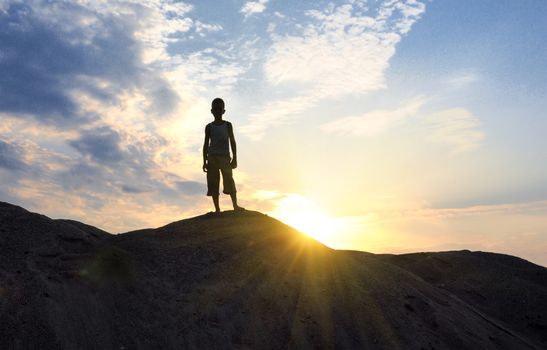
{"points": [[504, 287], [245, 280]]}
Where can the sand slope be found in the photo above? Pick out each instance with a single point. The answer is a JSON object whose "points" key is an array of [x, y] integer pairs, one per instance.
{"points": [[245, 280]]}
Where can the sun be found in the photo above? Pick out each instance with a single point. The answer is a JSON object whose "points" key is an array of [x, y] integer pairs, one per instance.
{"points": [[306, 216]]}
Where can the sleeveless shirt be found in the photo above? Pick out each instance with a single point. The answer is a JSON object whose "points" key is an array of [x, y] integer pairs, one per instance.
{"points": [[219, 139]]}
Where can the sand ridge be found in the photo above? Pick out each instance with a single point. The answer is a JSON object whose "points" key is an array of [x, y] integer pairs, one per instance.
{"points": [[243, 280]]}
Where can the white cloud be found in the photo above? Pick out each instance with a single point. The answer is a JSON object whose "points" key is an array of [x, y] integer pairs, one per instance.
{"points": [[339, 54], [457, 128], [409, 10], [462, 79], [204, 69], [276, 112], [252, 7], [374, 122], [202, 28], [344, 50]]}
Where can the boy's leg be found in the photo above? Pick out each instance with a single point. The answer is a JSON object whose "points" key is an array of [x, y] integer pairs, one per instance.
{"points": [[213, 182], [234, 202], [228, 182], [215, 202]]}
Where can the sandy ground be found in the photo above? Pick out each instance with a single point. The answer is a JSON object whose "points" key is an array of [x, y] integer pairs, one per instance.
{"points": [[247, 281]]}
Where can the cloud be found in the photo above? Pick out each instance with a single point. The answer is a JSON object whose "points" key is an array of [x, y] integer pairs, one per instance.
{"points": [[34, 65], [83, 178], [202, 28], [277, 112], [191, 187], [133, 189], [212, 67], [343, 50], [339, 51], [462, 79], [252, 7], [56, 51], [114, 162], [10, 157], [374, 122], [121, 158], [101, 144], [457, 128]]}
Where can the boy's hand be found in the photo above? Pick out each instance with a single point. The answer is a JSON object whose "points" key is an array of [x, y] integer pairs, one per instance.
{"points": [[233, 163], [204, 167]]}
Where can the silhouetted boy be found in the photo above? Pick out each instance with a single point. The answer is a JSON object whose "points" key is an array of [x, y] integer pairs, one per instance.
{"points": [[219, 136]]}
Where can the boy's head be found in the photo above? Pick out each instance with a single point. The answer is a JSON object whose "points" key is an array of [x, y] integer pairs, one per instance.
{"points": [[217, 107]]}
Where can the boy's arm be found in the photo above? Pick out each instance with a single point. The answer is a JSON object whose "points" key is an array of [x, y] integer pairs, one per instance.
{"points": [[232, 145], [206, 146]]}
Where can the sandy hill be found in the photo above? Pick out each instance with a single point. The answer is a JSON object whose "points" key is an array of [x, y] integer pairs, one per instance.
{"points": [[244, 280]]}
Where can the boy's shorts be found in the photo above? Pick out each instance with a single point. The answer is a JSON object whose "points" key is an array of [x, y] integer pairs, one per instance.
{"points": [[217, 164]]}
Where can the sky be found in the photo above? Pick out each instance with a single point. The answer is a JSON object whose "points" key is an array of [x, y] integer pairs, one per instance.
{"points": [[384, 126]]}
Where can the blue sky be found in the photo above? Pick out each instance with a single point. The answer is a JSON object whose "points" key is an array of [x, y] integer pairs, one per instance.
{"points": [[400, 125]]}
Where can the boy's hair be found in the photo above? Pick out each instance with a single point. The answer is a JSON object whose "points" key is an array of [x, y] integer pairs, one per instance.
{"points": [[217, 103]]}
